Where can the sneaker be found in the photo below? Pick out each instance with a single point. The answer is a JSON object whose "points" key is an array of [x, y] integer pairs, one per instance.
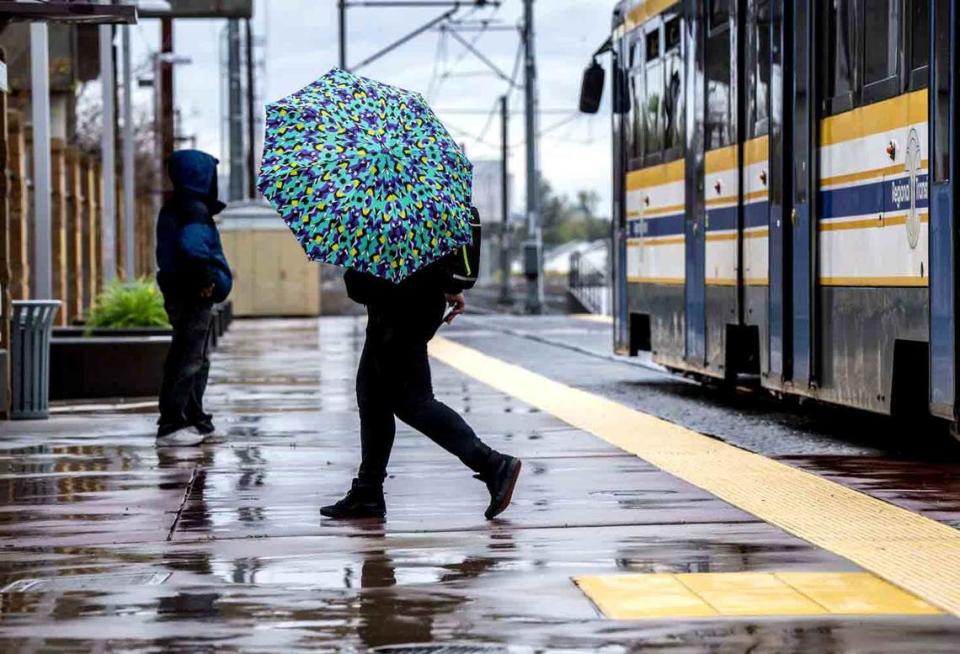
{"points": [[183, 437], [361, 501], [501, 479], [205, 426]]}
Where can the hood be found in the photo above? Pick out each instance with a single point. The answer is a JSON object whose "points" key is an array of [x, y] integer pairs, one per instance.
{"points": [[194, 173]]}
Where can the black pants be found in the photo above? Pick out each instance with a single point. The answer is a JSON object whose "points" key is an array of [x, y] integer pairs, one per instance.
{"points": [[188, 364], [394, 380]]}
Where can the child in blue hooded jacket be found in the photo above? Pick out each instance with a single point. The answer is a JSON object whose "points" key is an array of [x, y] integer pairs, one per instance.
{"points": [[193, 275]]}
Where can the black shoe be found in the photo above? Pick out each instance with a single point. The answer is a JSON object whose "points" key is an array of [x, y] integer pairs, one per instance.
{"points": [[361, 501], [501, 479]]}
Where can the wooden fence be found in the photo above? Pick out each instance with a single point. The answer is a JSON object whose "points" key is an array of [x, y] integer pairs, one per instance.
{"points": [[76, 195]]}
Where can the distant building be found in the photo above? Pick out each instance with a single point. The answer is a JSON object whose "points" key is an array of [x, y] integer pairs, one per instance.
{"points": [[487, 190]]}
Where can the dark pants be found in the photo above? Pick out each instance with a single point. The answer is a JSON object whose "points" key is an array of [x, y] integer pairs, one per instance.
{"points": [[187, 365], [394, 380]]}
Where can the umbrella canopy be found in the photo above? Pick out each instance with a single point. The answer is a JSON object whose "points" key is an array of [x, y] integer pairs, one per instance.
{"points": [[366, 176]]}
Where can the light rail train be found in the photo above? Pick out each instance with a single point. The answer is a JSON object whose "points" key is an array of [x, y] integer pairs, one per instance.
{"points": [[784, 199]]}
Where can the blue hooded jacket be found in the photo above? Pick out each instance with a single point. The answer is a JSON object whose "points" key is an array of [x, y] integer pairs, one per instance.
{"points": [[189, 252]]}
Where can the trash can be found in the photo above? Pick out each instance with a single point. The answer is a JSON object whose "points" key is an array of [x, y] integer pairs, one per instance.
{"points": [[30, 326]]}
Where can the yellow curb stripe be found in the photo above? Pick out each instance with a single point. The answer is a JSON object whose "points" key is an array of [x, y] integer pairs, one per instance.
{"points": [[915, 553]]}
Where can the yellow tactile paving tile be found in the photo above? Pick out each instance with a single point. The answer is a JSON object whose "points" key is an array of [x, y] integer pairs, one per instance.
{"points": [[856, 593], [749, 593], [915, 553], [627, 597], [741, 594]]}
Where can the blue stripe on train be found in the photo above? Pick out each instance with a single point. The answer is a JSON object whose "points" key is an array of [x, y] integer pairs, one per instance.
{"points": [[755, 214], [875, 197], [660, 226]]}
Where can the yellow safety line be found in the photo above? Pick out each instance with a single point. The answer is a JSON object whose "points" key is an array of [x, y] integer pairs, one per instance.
{"points": [[907, 549]]}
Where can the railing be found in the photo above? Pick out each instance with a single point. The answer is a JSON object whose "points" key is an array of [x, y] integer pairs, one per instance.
{"points": [[589, 285]]}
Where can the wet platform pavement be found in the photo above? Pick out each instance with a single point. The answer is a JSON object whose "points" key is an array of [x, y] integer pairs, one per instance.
{"points": [[108, 543]]}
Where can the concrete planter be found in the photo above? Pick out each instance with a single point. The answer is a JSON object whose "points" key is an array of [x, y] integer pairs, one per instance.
{"points": [[81, 332], [83, 368], [115, 363]]}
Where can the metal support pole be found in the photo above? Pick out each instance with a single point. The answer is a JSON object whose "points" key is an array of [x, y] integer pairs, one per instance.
{"points": [[129, 210], [251, 117], [108, 207], [533, 256], [42, 271], [506, 296], [167, 143], [342, 10], [235, 110]]}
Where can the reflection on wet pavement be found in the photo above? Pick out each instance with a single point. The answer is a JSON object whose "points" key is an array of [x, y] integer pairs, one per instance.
{"points": [[108, 543]]}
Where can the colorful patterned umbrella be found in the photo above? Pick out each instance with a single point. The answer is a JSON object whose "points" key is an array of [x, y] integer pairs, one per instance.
{"points": [[366, 176]]}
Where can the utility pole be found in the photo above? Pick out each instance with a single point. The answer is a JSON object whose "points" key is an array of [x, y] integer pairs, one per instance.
{"points": [[251, 117], [342, 10], [506, 296], [235, 109], [166, 115], [532, 249], [129, 182], [108, 143], [42, 270]]}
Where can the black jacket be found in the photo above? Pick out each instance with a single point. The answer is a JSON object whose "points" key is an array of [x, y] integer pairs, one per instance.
{"points": [[413, 308], [189, 252]]}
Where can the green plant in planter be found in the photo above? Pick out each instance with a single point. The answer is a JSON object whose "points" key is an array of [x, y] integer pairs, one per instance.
{"points": [[129, 304]]}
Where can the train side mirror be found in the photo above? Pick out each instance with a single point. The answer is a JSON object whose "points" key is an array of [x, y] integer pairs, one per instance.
{"points": [[591, 88]]}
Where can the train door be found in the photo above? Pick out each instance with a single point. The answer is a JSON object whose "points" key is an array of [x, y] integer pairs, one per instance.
{"points": [[803, 213], [694, 222], [944, 267], [620, 83], [755, 175], [779, 324], [719, 184]]}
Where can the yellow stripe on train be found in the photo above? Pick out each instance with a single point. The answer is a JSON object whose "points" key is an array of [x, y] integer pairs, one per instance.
{"points": [[656, 175], [644, 10], [895, 113]]}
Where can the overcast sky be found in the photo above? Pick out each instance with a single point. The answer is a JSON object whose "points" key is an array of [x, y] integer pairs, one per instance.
{"points": [[299, 43]]}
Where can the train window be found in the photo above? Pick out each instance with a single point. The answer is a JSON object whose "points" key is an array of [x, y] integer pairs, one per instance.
{"points": [[719, 13], [652, 107], [673, 115], [758, 70], [941, 52], [653, 45], [638, 118], [841, 60], [882, 48], [718, 130], [919, 44], [672, 28]]}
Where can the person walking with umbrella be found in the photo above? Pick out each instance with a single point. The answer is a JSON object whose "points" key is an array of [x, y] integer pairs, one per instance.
{"points": [[367, 178]]}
